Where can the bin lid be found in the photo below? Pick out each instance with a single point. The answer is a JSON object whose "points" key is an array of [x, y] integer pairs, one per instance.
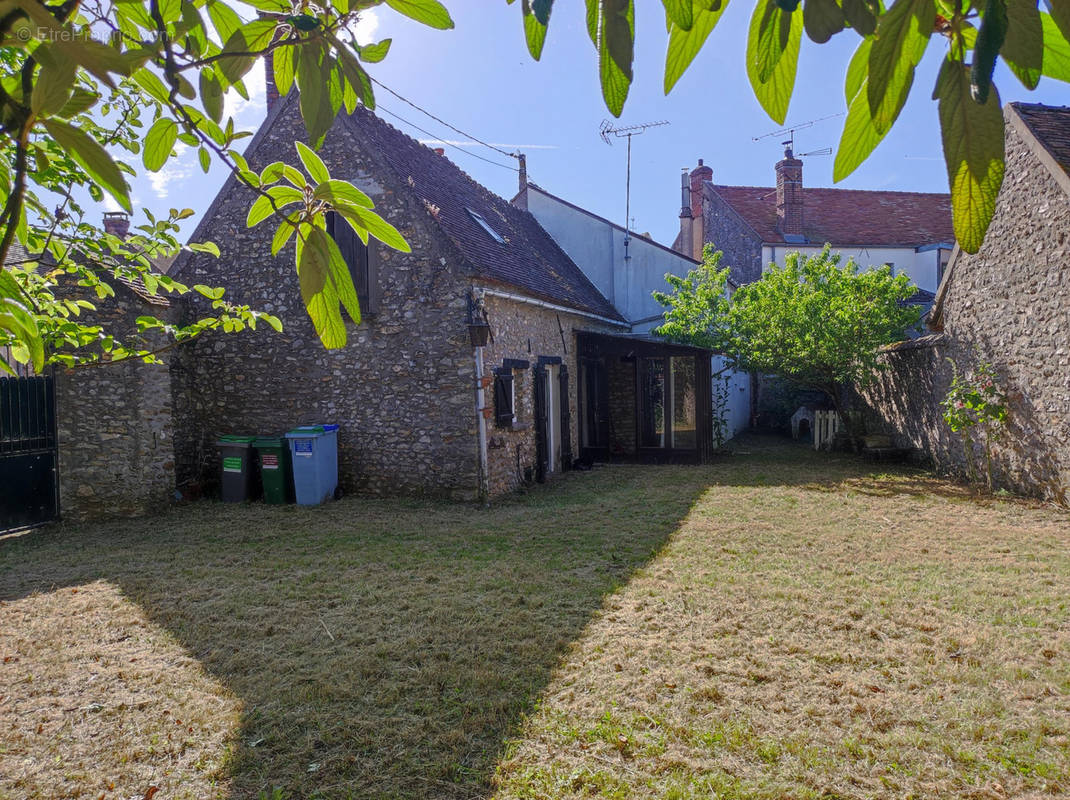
{"points": [[234, 439], [309, 431], [263, 442]]}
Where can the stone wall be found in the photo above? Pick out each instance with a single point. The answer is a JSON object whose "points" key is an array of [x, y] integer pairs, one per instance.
{"points": [[115, 428], [401, 389], [525, 332], [1008, 305], [727, 232]]}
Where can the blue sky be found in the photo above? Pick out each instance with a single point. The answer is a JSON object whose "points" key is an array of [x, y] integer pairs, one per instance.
{"points": [[480, 78]]}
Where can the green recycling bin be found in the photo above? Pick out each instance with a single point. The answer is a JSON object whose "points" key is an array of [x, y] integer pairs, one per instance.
{"points": [[235, 453], [275, 476]]}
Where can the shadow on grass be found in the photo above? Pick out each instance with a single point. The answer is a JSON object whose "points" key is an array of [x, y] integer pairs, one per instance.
{"points": [[379, 648]]}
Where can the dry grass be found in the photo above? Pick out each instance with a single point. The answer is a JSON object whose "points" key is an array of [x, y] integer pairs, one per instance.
{"points": [[814, 632], [798, 627]]}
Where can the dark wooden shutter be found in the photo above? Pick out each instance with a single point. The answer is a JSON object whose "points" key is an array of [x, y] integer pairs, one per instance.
{"points": [[355, 253], [503, 398], [566, 420], [541, 418]]}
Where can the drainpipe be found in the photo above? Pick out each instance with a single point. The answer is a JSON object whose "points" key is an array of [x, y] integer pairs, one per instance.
{"points": [[484, 478]]}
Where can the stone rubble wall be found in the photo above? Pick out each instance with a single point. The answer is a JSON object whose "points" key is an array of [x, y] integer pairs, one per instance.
{"points": [[1008, 305], [402, 387]]}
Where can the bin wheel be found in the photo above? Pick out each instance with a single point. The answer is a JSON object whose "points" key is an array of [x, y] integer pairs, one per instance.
{"points": [[337, 492]]}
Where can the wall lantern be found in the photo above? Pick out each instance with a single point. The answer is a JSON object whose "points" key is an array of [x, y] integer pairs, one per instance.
{"points": [[478, 324]]}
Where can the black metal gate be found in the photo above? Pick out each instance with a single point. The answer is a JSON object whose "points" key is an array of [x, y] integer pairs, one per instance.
{"points": [[29, 485]]}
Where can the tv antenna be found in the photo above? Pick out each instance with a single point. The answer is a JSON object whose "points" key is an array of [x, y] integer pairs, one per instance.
{"points": [[789, 143], [606, 130]]}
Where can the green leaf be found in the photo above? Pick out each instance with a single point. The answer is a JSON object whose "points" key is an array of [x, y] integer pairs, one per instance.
{"points": [[315, 101], [317, 289], [263, 208], [860, 16], [614, 36], [204, 247], [212, 94], [685, 43], [374, 53], [54, 81], [822, 19], [364, 220], [159, 142], [1023, 47], [283, 234], [680, 13], [81, 100], [902, 36], [250, 38], [341, 192], [339, 274], [774, 93], [1060, 14], [973, 150], [860, 137], [314, 165], [429, 12], [224, 19], [534, 32], [93, 158], [155, 88], [1056, 61], [205, 159], [767, 39], [990, 40], [284, 64], [16, 318]]}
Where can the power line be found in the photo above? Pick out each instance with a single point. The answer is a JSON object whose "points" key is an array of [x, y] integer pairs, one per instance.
{"points": [[441, 121], [379, 107]]}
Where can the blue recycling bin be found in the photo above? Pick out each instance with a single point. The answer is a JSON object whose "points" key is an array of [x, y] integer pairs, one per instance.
{"points": [[314, 455]]}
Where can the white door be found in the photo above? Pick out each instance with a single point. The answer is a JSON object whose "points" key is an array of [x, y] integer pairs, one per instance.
{"points": [[553, 417]]}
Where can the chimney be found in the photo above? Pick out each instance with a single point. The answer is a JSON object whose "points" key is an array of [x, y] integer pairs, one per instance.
{"points": [[698, 175], [521, 200], [117, 223], [686, 220], [271, 91], [789, 194]]}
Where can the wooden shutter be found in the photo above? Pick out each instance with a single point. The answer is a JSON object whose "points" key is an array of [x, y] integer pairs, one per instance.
{"points": [[566, 420], [355, 253], [503, 398]]}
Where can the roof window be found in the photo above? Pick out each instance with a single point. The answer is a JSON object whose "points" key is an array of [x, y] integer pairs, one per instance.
{"points": [[486, 226]]}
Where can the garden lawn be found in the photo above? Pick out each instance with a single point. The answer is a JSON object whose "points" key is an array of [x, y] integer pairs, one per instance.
{"points": [[781, 624]]}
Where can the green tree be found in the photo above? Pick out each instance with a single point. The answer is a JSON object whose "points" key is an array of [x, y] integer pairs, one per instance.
{"points": [[812, 322], [88, 85], [1031, 41]]}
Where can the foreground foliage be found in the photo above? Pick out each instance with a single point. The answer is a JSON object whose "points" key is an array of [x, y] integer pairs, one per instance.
{"points": [[880, 76]]}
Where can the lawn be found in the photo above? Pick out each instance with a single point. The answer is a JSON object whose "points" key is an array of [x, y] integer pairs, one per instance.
{"points": [[779, 625]]}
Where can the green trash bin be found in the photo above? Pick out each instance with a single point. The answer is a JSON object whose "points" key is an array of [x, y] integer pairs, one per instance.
{"points": [[275, 476], [235, 453]]}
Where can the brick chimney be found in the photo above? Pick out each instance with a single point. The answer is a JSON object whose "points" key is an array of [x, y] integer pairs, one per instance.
{"points": [[698, 175], [789, 194], [117, 223], [271, 91], [521, 199]]}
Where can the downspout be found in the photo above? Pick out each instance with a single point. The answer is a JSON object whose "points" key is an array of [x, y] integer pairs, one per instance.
{"points": [[484, 478]]}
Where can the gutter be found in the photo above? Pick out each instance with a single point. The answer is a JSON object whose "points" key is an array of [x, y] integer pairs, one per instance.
{"points": [[519, 298]]}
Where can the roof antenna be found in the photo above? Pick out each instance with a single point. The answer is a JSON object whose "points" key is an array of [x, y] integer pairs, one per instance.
{"points": [[605, 130], [789, 144]]}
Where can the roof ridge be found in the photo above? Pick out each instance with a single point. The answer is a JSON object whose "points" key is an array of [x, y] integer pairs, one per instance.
{"points": [[832, 189]]}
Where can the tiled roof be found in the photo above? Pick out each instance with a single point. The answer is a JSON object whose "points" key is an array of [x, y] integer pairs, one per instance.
{"points": [[849, 216], [529, 259], [17, 255], [1051, 126]]}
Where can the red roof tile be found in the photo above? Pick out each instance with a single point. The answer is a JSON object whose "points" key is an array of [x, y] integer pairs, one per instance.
{"points": [[849, 216]]}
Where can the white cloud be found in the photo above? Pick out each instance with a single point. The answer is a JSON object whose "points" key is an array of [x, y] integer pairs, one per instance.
{"points": [[178, 168], [367, 25], [247, 112]]}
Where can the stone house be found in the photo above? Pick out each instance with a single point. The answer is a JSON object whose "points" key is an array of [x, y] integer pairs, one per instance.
{"points": [[94, 441], [421, 410], [1008, 305], [755, 226]]}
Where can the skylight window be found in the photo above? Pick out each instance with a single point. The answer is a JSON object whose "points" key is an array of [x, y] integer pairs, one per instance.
{"points": [[486, 226]]}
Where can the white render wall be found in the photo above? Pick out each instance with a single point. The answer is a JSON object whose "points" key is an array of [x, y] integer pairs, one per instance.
{"points": [[597, 247], [921, 266]]}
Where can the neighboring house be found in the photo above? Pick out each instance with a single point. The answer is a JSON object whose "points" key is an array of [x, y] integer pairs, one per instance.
{"points": [[564, 378], [755, 226], [1008, 305], [628, 276], [92, 441]]}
